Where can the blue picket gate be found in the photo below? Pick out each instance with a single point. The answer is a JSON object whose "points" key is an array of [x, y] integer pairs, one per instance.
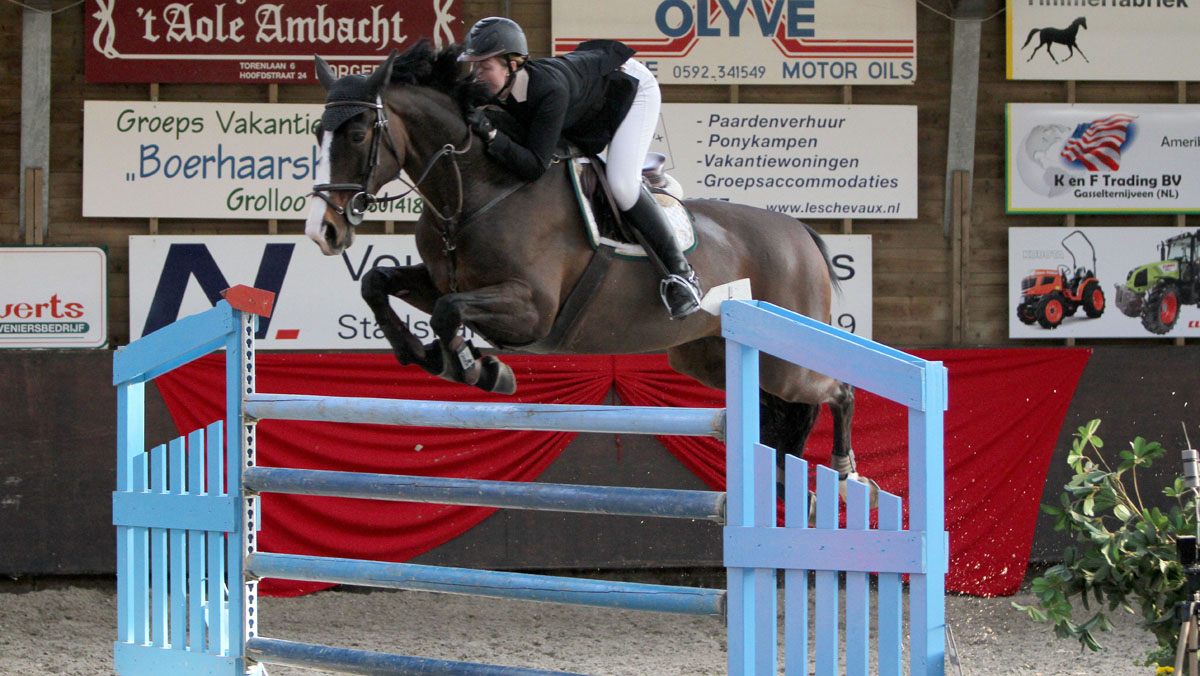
{"points": [[186, 515]]}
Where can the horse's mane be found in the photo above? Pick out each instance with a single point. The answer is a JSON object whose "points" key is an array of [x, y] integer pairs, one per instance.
{"points": [[424, 66]]}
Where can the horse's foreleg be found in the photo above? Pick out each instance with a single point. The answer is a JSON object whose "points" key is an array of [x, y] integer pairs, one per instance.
{"points": [[413, 285], [1075, 48], [505, 313], [842, 460]]}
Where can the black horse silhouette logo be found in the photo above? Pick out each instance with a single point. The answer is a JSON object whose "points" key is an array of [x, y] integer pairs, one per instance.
{"points": [[1063, 36]]}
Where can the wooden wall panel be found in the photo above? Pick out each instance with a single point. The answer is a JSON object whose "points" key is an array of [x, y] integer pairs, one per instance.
{"points": [[913, 280]]}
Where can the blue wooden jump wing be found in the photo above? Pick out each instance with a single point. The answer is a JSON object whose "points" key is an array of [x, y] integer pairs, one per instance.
{"points": [[186, 514]]}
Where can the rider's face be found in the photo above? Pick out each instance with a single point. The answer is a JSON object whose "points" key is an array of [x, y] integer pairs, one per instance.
{"points": [[492, 72]]}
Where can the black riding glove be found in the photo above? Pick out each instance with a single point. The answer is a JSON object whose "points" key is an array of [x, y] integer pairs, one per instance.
{"points": [[478, 120]]}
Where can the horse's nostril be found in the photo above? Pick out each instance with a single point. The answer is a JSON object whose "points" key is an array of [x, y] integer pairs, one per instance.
{"points": [[330, 233]]}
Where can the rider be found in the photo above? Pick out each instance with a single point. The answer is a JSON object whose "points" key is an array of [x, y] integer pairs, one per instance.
{"points": [[596, 96]]}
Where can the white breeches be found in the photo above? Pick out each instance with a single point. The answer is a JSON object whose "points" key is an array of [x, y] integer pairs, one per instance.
{"points": [[629, 145]]}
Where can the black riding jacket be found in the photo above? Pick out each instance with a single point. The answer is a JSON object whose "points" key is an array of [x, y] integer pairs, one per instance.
{"points": [[582, 96]]}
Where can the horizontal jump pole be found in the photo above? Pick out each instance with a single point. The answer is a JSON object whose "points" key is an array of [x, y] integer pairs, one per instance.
{"points": [[615, 500], [367, 663], [696, 422], [492, 584]]}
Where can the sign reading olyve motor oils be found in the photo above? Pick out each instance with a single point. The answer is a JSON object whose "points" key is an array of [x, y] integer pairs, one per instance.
{"points": [[1107, 282], [1103, 158], [318, 304], [53, 297], [752, 41], [253, 41], [1103, 40]]}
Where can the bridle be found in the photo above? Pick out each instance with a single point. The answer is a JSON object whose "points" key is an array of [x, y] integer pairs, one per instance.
{"points": [[356, 207]]}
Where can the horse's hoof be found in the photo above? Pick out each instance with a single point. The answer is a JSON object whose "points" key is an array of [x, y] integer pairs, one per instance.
{"points": [[496, 376], [874, 487]]}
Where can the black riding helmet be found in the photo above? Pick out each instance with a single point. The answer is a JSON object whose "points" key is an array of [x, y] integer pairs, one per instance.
{"points": [[494, 36]]}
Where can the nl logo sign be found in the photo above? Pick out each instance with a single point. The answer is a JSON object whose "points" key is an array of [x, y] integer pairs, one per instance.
{"points": [[753, 41]]}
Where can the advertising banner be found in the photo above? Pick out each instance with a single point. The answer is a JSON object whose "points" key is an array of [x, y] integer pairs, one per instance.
{"points": [[40, 306], [257, 160], [318, 305], [253, 41], [1103, 40], [1103, 158], [752, 41], [161, 159], [1103, 283], [816, 161]]}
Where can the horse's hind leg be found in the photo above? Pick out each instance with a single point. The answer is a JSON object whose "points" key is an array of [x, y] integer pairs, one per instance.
{"points": [[411, 283], [784, 426]]}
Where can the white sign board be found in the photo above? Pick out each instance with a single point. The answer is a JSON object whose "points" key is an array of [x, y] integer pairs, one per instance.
{"points": [[318, 305], [1042, 277], [53, 297], [1103, 158], [1103, 40], [815, 161], [752, 41], [207, 160]]}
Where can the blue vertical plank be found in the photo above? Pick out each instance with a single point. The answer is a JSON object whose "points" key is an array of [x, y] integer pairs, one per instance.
{"points": [[795, 590], [926, 472], [826, 646], [158, 553], [891, 597], [177, 598], [766, 515], [131, 432], [215, 613], [741, 433], [858, 594], [141, 559], [195, 547]]}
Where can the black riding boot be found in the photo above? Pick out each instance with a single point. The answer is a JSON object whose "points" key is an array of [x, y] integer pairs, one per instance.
{"points": [[680, 289]]}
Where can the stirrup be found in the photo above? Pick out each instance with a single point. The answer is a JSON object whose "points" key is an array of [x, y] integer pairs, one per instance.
{"points": [[690, 285]]}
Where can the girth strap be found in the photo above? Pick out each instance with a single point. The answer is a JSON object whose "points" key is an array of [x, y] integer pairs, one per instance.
{"points": [[579, 297]]}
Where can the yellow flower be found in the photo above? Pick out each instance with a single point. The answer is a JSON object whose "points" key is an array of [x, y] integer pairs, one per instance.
{"points": [[1164, 670]]}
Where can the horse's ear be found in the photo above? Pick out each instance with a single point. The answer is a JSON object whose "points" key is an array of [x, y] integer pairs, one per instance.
{"points": [[324, 73], [383, 73]]}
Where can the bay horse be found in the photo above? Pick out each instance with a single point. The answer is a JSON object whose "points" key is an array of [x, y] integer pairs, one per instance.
{"points": [[501, 256], [1063, 36]]}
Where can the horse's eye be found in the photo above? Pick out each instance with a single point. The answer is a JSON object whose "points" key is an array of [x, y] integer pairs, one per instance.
{"points": [[358, 137]]}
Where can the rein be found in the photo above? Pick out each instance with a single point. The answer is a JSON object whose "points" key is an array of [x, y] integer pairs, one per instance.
{"points": [[355, 209]]}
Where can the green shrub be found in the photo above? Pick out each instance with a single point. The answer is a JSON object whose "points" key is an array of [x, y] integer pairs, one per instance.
{"points": [[1124, 558]]}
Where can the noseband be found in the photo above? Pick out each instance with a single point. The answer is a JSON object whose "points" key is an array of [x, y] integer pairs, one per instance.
{"points": [[356, 208]]}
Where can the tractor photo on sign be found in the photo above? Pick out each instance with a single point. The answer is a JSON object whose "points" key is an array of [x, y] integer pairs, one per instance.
{"points": [[1154, 291], [1047, 296]]}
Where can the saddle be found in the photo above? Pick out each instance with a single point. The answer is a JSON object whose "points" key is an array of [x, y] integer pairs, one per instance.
{"points": [[603, 221]]}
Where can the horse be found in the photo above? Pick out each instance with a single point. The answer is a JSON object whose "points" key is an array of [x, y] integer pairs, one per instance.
{"points": [[501, 256], [1063, 36]]}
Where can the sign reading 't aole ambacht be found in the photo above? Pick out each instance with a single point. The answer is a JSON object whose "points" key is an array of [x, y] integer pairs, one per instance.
{"points": [[253, 41]]}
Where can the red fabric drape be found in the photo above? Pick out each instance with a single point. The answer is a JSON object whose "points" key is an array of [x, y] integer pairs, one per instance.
{"points": [[1006, 409]]}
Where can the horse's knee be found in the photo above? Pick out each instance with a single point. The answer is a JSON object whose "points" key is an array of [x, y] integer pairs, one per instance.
{"points": [[375, 285], [445, 318]]}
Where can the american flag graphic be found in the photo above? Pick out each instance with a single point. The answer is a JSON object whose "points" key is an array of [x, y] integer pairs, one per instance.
{"points": [[1097, 145]]}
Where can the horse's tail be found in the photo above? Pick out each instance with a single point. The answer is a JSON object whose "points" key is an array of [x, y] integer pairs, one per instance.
{"points": [[1032, 33], [824, 249]]}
